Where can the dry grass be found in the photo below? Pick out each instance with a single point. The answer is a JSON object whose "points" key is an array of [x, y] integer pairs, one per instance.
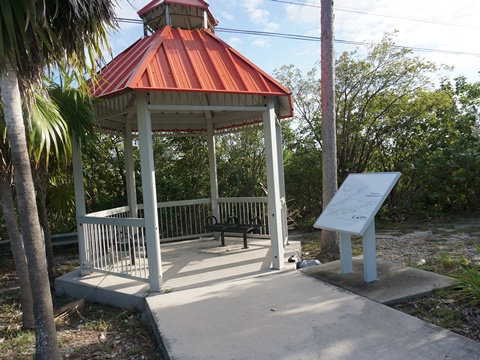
{"points": [[93, 332]]}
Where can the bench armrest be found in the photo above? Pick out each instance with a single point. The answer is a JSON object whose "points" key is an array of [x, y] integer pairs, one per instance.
{"points": [[214, 220]]}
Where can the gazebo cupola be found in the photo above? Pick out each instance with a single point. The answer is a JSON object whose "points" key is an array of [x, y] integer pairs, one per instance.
{"points": [[187, 15]]}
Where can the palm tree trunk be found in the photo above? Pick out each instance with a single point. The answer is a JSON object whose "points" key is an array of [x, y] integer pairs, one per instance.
{"points": [[8, 209], [41, 177], [46, 339]]}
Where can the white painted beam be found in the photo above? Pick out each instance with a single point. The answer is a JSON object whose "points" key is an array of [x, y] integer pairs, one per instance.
{"points": [[114, 113], [174, 107]]}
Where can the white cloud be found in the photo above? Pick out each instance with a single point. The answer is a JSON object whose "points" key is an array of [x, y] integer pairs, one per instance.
{"points": [[259, 16], [235, 41], [310, 50], [261, 42], [251, 4], [304, 15], [256, 13], [414, 33], [272, 27], [227, 15]]}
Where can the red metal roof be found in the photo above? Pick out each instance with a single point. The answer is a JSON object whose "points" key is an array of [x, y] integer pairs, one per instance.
{"points": [[173, 59], [196, 3]]}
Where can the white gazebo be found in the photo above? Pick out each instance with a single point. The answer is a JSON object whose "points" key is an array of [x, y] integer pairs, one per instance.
{"points": [[179, 79]]}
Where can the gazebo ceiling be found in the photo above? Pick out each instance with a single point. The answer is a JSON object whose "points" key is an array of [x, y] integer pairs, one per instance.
{"points": [[190, 76]]}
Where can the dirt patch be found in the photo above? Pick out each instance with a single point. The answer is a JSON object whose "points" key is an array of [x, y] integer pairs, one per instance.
{"points": [[94, 332]]}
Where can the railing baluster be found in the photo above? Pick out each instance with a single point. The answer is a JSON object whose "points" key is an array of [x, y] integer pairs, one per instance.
{"points": [[121, 247]]}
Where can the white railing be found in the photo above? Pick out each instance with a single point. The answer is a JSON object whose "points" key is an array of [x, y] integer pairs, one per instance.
{"points": [[115, 241], [119, 212], [246, 210], [115, 244], [180, 220]]}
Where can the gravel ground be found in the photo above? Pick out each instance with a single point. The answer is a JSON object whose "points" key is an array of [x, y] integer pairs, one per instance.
{"points": [[419, 247]]}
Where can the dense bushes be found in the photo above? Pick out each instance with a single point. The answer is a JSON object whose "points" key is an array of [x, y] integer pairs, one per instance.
{"points": [[390, 117]]}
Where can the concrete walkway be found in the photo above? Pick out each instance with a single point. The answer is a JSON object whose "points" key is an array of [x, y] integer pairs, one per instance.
{"points": [[299, 315], [293, 316]]}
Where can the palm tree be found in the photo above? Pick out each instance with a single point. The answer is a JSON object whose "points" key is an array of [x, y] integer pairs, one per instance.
{"points": [[8, 209], [48, 138], [35, 34]]}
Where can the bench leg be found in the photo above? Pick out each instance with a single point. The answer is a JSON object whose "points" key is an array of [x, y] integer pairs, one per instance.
{"points": [[222, 238], [132, 255], [245, 245]]}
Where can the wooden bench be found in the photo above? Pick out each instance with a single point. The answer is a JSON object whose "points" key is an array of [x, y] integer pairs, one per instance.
{"points": [[233, 226]]}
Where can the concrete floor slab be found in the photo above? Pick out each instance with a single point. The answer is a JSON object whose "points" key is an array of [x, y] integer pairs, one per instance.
{"points": [[103, 288], [186, 264], [396, 283], [204, 262]]}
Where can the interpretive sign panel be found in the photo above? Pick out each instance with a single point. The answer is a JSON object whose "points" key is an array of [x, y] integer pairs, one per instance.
{"points": [[357, 202]]}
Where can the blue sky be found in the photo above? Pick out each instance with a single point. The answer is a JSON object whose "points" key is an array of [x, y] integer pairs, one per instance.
{"points": [[439, 25]]}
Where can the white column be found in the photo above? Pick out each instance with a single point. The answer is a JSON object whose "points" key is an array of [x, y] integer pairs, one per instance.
{"points": [[282, 183], [130, 170], [149, 192], [212, 160], [79, 202], [273, 184], [205, 19], [168, 20]]}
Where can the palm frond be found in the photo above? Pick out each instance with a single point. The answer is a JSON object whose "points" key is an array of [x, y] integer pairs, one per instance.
{"points": [[61, 195], [77, 110], [49, 131], [67, 33]]}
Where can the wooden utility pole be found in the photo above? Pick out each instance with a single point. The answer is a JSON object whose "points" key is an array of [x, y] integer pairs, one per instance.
{"points": [[329, 245]]}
